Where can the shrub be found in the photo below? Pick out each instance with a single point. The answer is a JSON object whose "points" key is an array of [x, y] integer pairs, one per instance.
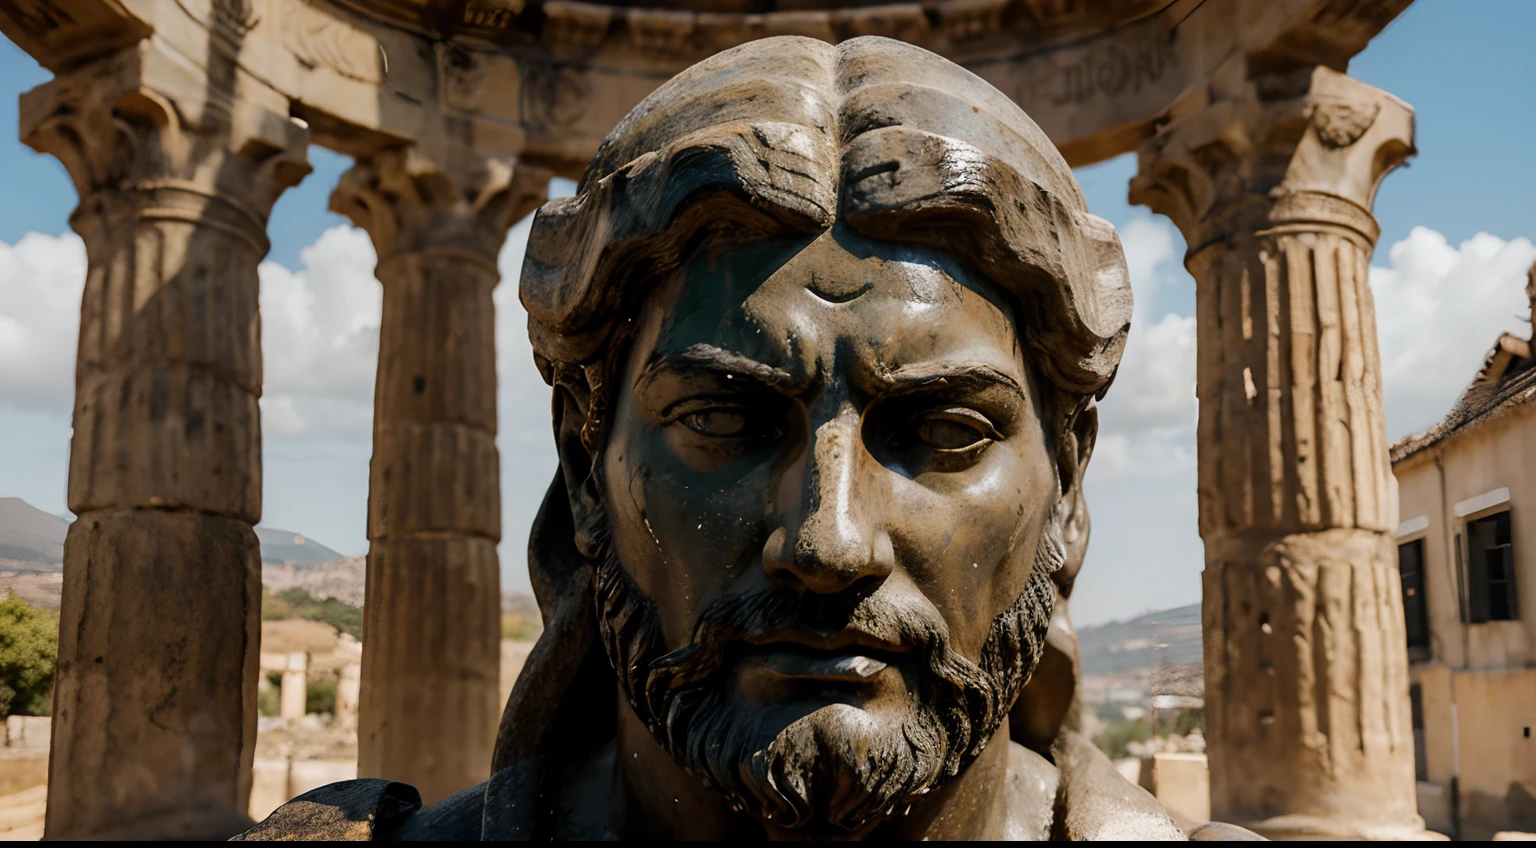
{"points": [[516, 625], [297, 603], [320, 696], [1114, 738], [29, 649], [266, 701]]}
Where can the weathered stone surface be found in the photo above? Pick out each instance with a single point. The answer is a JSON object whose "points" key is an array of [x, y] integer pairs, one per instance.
{"points": [[431, 661], [547, 80], [155, 699], [1306, 672], [430, 676]]}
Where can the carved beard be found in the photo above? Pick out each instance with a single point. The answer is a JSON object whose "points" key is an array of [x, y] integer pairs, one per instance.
{"points": [[840, 768]]}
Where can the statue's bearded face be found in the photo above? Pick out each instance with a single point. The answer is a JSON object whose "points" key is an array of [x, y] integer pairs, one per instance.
{"points": [[829, 486]]}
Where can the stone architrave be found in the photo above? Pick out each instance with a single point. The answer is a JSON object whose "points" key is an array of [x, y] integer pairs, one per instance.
{"points": [[155, 700], [428, 703], [1305, 664]]}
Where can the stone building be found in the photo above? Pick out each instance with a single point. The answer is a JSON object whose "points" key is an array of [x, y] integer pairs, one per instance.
{"points": [[1467, 557], [182, 122]]}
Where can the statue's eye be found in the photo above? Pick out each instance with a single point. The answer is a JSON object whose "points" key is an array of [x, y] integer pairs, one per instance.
{"points": [[720, 422], [953, 430]]}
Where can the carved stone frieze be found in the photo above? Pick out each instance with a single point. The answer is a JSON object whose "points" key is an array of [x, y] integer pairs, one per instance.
{"points": [[902, 22], [661, 30], [966, 21], [491, 14], [553, 95], [464, 73], [321, 38], [64, 33], [36, 18], [578, 25]]}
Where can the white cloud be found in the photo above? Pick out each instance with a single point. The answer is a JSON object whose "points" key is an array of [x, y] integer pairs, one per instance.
{"points": [[41, 278], [320, 339], [1439, 310], [1147, 419]]}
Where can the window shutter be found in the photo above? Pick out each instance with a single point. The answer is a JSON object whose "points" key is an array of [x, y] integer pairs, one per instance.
{"points": [[1461, 584], [1479, 542], [1507, 530]]}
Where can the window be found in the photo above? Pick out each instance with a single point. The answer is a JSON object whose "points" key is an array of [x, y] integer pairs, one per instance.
{"points": [[1416, 710], [1410, 565], [1490, 570]]}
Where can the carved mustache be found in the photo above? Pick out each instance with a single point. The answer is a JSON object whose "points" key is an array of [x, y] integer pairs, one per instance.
{"points": [[737, 623]]}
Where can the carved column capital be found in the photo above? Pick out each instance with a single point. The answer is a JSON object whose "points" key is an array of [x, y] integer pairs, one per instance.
{"points": [[1305, 666], [457, 201], [438, 215], [138, 126], [177, 170], [1304, 146]]}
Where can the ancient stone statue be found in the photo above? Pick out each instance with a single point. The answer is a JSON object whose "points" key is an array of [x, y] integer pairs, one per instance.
{"points": [[825, 325]]}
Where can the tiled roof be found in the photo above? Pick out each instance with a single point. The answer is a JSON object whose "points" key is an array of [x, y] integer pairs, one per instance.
{"points": [[1506, 381]]}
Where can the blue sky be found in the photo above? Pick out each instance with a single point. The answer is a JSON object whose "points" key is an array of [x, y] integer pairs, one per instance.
{"points": [[1456, 230]]}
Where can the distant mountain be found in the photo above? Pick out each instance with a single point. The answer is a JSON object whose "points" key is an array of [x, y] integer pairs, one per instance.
{"points": [[32, 539], [342, 579], [280, 546], [1168, 637]]}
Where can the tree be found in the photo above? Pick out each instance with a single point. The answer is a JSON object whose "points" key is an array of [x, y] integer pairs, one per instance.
{"points": [[297, 603], [29, 648]]}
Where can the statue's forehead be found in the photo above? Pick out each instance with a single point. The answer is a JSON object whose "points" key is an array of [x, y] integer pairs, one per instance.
{"points": [[799, 306]]}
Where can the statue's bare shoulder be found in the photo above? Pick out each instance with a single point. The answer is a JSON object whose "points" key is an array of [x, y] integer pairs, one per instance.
{"points": [[1033, 784]]}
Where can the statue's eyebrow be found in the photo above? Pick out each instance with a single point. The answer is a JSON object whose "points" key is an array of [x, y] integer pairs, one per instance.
{"points": [[710, 360], [960, 377]]}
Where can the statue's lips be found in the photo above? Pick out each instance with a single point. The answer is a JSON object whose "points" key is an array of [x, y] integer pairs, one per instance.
{"points": [[846, 656]]}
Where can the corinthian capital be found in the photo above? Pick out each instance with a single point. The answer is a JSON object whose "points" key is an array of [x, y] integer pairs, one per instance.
{"points": [[1303, 145], [450, 199], [141, 122]]}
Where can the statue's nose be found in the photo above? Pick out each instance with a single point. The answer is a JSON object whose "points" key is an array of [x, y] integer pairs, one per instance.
{"points": [[831, 535]]}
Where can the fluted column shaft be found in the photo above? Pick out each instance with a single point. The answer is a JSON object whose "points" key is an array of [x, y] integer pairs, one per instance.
{"points": [[1305, 654], [155, 695], [428, 704]]}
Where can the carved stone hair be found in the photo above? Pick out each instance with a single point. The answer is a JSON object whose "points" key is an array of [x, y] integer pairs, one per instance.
{"points": [[785, 135]]}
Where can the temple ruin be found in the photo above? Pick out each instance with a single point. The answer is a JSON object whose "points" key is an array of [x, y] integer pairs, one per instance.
{"points": [[181, 123]]}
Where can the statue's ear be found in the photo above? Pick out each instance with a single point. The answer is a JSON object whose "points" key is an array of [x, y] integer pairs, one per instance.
{"points": [[1076, 450], [577, 467], [1083, 434]]}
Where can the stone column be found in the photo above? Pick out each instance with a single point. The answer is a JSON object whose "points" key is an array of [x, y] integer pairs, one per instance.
{"points": [[348, 686], [428, 706], [293, 693], [1306, 671], [155, 697]]}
